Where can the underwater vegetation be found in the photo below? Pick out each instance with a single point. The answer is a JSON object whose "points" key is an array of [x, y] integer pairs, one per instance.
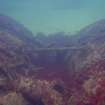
{"points": [[58, 69]]}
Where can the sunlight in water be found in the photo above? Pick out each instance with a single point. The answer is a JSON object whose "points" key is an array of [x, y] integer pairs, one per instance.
{"points": [[54, 15]]}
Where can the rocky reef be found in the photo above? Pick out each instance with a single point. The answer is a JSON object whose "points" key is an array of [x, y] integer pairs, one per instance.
{"points": [[51, 70]]}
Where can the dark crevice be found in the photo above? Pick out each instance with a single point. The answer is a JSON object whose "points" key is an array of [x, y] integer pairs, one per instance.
{"points": [[59, 88], [33, 100]]}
